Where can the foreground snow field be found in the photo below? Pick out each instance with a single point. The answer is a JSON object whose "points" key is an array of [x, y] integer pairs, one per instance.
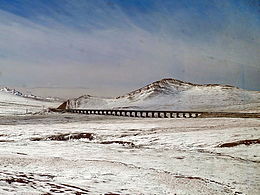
{"points": [[43, 154]]}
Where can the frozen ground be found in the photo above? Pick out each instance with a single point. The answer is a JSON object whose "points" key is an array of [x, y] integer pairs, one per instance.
{"points": [[128, 156]]}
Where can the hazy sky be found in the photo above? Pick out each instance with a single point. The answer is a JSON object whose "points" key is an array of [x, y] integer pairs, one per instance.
{"points": [[119, 45]]}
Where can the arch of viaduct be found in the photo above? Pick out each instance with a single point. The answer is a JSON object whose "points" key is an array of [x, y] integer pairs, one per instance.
{"points": [[138, 113]]}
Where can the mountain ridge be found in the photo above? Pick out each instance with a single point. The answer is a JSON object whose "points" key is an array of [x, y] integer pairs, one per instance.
{"points": [[171, 81], [30, 96], [174, 94]]}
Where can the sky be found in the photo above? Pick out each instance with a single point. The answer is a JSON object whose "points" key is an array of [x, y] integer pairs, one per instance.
{"points": [[114, 46]]}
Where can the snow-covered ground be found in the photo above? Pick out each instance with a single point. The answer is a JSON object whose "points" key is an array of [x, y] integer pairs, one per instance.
{"points": [[127, 156], [171, 94]]}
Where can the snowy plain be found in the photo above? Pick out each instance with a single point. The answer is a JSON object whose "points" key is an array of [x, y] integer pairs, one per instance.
{"points": [[127, 156]]}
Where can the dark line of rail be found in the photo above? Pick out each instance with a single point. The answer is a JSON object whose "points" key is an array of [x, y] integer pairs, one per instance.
{"points": [[162, 114]]}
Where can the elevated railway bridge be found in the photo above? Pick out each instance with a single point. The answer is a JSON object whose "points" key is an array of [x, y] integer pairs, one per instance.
{"points": [[161, 113]]}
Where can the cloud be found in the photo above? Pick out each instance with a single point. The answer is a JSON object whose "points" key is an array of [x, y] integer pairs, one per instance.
{"points": [[124, 51]]}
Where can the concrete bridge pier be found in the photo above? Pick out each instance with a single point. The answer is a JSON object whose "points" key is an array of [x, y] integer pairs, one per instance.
{"points": [[161, 114], [147, 114], [135, 114], [129, 114], [143, 114]]}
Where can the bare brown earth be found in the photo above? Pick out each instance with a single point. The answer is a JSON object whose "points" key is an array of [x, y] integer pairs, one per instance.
{"points": [[229, 115], [65, 137], [124, 143], [240, 142]]}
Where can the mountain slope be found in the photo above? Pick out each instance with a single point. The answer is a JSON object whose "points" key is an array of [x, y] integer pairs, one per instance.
{"points": [[172, 94], [12, 103], [18, 93]]}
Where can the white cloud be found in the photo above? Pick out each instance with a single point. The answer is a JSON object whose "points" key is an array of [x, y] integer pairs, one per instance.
{"points": [[121, 57]]}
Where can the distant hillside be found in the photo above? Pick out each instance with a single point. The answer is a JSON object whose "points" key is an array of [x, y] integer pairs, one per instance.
{"points": [[13, 102], [172, 94], [18, 93]]}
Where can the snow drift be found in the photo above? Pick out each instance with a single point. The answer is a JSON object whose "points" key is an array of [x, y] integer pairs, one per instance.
{"points": [[172, 94]]}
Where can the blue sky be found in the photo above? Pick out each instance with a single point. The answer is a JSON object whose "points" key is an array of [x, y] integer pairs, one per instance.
{"points": [[124, 44]]}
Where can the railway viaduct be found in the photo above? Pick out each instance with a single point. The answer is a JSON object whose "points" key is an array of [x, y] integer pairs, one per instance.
{"points": [[161, 114]]}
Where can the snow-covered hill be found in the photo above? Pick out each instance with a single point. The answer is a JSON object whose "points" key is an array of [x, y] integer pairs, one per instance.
{"points": [[18, 93], [172, 94], [13, 102]]}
